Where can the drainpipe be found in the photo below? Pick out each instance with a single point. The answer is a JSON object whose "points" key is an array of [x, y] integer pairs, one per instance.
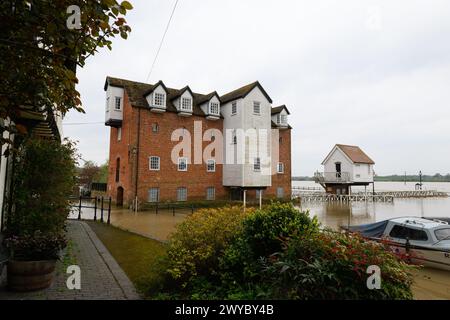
{"points": [[136, 169]]}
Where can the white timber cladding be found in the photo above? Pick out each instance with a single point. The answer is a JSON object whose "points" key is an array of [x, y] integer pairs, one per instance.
{"points": [[358, 172], [111, 113], [154, 98], [243, 174], [281, 118]]}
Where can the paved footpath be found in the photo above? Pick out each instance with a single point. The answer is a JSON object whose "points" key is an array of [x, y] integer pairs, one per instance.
{"points": [[101, 276]]}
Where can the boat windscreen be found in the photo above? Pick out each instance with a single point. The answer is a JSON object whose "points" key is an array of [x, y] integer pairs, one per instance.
{"points": [[372, 230]]}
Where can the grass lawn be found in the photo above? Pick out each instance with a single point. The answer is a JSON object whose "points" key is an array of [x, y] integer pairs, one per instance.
{"points": [[137, 255]]}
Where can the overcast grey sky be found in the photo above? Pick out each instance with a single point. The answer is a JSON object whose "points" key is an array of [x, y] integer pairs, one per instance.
{"points": [[370, 73]]}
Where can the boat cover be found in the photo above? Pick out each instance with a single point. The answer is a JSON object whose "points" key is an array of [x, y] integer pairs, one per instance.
{"points": [[371, 230]]}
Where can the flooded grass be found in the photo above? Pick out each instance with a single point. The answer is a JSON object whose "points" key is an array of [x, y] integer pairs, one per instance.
{"points": [[138, 256]]}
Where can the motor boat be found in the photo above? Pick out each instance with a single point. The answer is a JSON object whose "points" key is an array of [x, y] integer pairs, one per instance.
{"points": [[425, 241]]}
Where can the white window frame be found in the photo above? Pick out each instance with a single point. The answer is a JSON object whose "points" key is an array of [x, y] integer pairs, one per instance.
{"points": [[107, 104], [120, 103], [180, 160], [212, 105], [182, 199], [213, 162], [188, 100], [210, 196], [233, 108], [119, 134], [280, 165], [159, 97], [258, 110], [257, 164], [150, 163], [150, 195], [283, 119]]}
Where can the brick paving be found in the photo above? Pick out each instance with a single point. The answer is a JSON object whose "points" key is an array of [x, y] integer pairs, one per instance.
{"points": [[101, 276]]}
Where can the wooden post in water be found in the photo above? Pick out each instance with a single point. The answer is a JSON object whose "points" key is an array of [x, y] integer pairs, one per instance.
{"points": [[173, 210], [109, 211], [192, 208], [156, 208], [79, 210], [101, 215]]}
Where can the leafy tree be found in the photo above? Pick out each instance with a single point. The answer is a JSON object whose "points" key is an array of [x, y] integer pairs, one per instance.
{"points": [[102, 174], [39, 53], [88, 173]]}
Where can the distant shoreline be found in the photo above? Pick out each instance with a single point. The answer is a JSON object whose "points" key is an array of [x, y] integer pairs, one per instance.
{"points": [[394, 178]]}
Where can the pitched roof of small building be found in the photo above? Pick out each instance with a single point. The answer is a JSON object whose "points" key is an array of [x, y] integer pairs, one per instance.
{"points": [[279, 109], [354, 153]]}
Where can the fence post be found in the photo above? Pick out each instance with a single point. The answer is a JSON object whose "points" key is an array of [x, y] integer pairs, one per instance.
{"points": [[79, 210], [95, 209], [156, 208], [173, 210], [109, 211], [101, 216], [192, 209]]}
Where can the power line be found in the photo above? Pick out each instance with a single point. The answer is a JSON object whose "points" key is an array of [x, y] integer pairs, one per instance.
{"points": [[162, 41]]}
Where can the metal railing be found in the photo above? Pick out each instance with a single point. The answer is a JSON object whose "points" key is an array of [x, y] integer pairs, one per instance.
{"points": [[97, 203], [337, 177]]}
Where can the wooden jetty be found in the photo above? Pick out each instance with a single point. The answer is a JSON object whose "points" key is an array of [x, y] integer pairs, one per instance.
{"points": [[385, 196]]}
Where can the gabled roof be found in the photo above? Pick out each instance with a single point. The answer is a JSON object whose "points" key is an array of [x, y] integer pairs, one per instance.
{"points": [[279, 109], [208, 97], [156, 85], [354, 153], [137, 92], [243, 92]]}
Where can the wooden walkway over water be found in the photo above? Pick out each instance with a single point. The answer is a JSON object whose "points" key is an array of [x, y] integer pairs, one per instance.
{"points": [[384, 196]]}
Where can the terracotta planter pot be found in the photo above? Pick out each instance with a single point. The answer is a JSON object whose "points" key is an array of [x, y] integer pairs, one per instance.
{"points": [[30, 275]]}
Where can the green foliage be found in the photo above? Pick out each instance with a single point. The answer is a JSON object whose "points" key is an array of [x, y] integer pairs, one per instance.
{"points": [[43, 179], [39, 53], [331, 265], [194, 249], [277, 252], [36, 246]]}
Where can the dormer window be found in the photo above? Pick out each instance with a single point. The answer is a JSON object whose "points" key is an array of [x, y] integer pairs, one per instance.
{"points": [[281, 119], [160, 100], [186, 104], [214, 108], [118, 103]]}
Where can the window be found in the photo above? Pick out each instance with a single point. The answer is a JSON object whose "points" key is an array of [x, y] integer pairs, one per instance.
{"points": [[256, 107], [402, 232], [280, 167], [153, 195], [210, 193], [211, 166], [119, 134], [442, 234], [160, 99], [280, 140], [234, 137], [154, 163], [186, 104], [182, 164], [107, 104], [280, 192], [214, 108], [283, 119], [155, 127], [257, 164], [117, 169], [182, 194], [117, 103], [358, 176], [234, 108]]}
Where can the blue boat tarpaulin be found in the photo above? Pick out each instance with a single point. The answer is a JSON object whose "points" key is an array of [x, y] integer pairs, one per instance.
{"points": [[371, 230]]}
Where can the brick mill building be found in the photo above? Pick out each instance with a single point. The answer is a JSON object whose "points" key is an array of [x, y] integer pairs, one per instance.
{"points": [[148, 121]]}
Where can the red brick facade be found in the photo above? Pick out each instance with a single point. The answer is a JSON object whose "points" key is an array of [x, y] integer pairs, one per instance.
{"points": [[168, 179]]}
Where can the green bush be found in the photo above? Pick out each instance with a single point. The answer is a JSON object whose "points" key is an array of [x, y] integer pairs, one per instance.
{"points": [[331, 265], [199, 241], [43, 180]]}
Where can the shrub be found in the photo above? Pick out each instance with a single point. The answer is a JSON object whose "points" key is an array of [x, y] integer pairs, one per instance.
{"points": [[331, 265], [199, 241], [43, 180], [261, 235]]}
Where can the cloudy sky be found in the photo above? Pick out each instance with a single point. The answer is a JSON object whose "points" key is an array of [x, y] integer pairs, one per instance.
{"points": [[370, 73]]}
